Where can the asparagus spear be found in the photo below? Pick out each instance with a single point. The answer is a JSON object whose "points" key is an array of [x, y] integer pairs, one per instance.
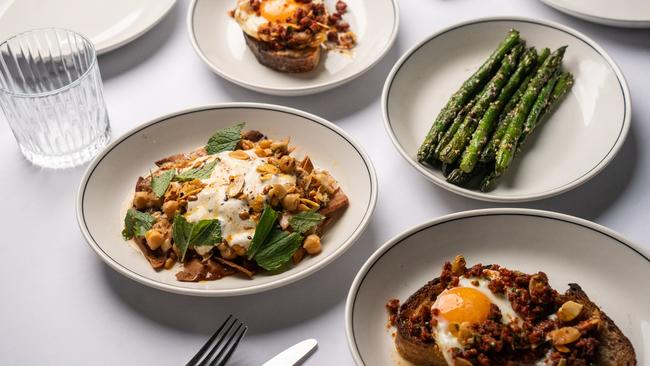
{"points": [[449, 134], [562, 87], [479, 139], [491, 148], [467, 90], [536, 112], [458, 177], [455, 147], [508, 144]]}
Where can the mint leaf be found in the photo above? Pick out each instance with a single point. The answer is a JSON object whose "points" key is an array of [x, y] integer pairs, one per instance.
{"points": [[279, 250], [205, 232], [181, 232], [305, 221], [203, 172], [159, 183], [225, 139], [136, 224], [267, 220]]}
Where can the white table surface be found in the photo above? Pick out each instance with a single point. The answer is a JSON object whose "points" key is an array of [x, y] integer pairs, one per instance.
{"points": [[67, 308]]}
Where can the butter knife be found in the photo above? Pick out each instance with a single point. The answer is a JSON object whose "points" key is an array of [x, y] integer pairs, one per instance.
{"points": [[293, 355]]}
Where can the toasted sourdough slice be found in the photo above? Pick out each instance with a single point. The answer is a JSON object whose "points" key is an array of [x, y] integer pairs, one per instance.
{"points": [[293, 61], [615, 348], [413, 348]]}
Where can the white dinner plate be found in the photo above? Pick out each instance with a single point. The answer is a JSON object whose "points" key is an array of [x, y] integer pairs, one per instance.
{"points": [[610, 269], [628, 13], [108, 24], [219, 41], [108, 185], [578, 140]]}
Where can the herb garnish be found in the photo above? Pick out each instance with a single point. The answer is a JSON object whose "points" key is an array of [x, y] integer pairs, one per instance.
{"points": [[159, 183], [278, 250], [203, 172], [204, 232], [305, 221], [267, 220], [225, 139], [136, 224]]}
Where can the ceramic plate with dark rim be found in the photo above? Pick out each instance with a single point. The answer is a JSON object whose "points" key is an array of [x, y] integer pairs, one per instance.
{"points": [[220, 43], [611, 270], [627, 14], [578, 140], [107, 188]]}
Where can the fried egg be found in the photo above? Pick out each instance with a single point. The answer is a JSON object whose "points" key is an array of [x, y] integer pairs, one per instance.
{"points": [[270, 11], [213, 201], [469, 302]]}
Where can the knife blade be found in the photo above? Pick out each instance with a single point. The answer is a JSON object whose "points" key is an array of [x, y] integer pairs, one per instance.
{"points": [[293, 355]]}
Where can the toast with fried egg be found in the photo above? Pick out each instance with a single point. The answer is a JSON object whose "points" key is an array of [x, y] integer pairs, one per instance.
{"points": [[415, 336], [287, 60]]}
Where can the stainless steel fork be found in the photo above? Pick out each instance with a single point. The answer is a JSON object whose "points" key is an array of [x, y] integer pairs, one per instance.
{"points": [[223, 341]]}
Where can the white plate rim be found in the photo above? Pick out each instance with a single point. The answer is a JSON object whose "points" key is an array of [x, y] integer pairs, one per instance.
{"points": [[227, 292], [367, 266], [613, 22], [305, 90], [491, 197], [137, 32]]}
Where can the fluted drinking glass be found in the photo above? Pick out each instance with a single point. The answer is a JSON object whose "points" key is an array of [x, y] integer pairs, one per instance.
{"points": [[51, 94]]}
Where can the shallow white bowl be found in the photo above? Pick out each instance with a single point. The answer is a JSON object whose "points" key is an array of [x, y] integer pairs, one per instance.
{"points": [[108, 24], [219, 41], [627, 14], [108, 185], [611, 270], [579, 139]]}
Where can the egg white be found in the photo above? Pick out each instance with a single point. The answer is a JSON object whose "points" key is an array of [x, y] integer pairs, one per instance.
{"points": [[212, 202]]}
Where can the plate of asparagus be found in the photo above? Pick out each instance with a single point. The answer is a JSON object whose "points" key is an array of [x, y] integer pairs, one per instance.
{"points": [[507, 109]]}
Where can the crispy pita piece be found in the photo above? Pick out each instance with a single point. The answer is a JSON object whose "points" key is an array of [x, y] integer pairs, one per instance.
{"points": [[156, 258], [336, 205], [143, 184], [171, 159], [196, 270], [614, 348], [252, 135], [236, 266], [307, 165]]}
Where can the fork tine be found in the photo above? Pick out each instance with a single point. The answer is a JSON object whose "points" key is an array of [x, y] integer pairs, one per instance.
{"points": [[231, 346], [205, 347], [219, 341]]}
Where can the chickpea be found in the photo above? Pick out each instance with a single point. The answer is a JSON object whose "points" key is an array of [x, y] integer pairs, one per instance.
{"points": [[154, 239], [244, 215], [287, 164], [247, 144], [265, 144], [312, 244], [257, 204], [239, 250], [143, 200], [169, 263], [291, 201], [277, 193], [170, 208], [226, 252], [261, 152], [140, 200]]}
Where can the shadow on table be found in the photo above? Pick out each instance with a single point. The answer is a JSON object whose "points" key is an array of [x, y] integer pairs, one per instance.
{"points": [[139, 50], [333, 104], [588, 201], [263, 313]]}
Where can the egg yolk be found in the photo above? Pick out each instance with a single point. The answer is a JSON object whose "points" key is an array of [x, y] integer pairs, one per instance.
{"points": [[462, 304], [278, 10]]}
